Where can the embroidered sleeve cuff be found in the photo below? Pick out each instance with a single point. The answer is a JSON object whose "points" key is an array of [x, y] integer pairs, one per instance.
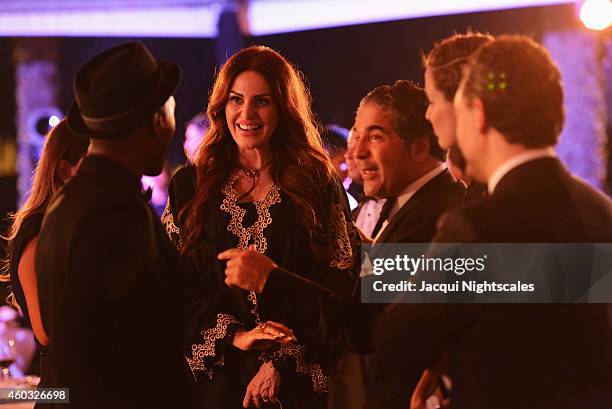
{"points": [[174, 233], [295, 352], [206, 356], [343, 239]]}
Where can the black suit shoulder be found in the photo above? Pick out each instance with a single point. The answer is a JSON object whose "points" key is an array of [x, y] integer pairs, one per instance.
{"points": [[182, 187], [113, 272], [416, 221], [445, 188], [560, 350], [91, 192], [537, 202], [593, 208], [94, 214]]}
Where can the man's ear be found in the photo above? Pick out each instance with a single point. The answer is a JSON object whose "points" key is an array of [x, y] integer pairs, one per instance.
{"points": [[480, 118], [419, 149], [158, 122]]}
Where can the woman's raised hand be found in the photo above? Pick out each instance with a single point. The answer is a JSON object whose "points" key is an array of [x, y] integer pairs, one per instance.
{"points": [[263, 336]]}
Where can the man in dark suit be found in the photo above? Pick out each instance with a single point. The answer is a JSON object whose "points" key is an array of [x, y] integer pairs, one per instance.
{"points": [[510, 112], [400, 159], [107, 275]]}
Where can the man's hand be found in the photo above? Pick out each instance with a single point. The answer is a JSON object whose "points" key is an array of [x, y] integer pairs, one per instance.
{"points": [[247, 269], [263, 388], [428, 393], [263, 336]]}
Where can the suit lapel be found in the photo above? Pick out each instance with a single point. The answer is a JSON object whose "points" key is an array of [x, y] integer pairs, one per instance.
{"points": [[413, 203]]}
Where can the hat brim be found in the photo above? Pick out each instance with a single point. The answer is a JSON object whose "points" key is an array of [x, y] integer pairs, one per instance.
{"points": [[169, 80]]}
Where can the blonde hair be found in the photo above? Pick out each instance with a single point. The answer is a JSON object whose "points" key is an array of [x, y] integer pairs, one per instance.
{"points": [[59, 144]]}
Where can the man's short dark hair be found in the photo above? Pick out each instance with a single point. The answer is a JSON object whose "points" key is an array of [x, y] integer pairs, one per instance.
{"points": [[520, 88], [408, 103]]}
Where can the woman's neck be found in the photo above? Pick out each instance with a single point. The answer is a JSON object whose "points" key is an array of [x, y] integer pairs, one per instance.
{"points": [[250, 159], [255, 176]]}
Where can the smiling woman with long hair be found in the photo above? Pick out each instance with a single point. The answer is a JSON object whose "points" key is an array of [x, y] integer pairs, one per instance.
{"points": [[262, 182]]}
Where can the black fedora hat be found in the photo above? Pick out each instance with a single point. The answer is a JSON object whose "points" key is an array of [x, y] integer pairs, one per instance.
{"points": [[118, 89]]}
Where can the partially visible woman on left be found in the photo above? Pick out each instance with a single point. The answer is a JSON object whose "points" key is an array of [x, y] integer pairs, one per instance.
{"points": [[58, 162]]}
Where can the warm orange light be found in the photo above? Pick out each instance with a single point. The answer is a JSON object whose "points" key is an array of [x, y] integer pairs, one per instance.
{"points": [[596, 14]]}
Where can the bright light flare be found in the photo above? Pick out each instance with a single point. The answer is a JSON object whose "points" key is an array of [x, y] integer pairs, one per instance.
{"points": [[53, 121], [596, 14]]}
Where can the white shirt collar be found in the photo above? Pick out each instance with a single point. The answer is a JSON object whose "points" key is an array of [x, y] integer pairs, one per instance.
{"points": [[409, 191], [368, 215], [412, 188], [516, 161]]}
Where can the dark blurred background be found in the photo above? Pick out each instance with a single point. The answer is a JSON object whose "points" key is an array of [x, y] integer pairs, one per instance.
{"points": [[341, 64]]}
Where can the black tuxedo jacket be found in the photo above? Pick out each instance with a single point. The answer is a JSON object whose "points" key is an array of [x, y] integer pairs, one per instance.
{"points": [[346, 323], [515, 355], [416, 221], [109, 295]]}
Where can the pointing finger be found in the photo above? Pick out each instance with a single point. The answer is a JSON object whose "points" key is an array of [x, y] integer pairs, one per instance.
{"points": [[246, 402], [228, 254]]}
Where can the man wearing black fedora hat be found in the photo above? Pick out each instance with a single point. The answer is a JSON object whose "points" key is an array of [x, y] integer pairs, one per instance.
{"points": [[108, 277]]}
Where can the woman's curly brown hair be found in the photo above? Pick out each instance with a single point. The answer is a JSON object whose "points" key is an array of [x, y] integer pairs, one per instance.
{"points": [[448, 57], [300, 165]]}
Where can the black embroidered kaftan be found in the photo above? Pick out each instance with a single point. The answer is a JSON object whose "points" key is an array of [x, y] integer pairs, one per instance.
{"points": [[215, 311]]}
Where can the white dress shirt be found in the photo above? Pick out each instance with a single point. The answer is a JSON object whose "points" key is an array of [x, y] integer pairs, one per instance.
{"points": [[369, 214]]}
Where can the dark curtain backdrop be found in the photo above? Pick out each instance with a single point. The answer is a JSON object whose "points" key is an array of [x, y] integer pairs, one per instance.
{"points": [[196, 57], [341, 64]]}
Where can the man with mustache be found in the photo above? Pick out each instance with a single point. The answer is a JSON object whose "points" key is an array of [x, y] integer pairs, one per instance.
{"points": [[400, 159]]}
